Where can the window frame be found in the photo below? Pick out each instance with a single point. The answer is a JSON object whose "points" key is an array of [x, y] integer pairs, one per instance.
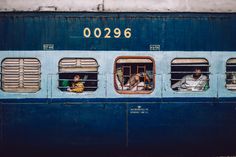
{"points": [[206, 74], [134, 57], [18, 91], [58, 79], [226, 72]]}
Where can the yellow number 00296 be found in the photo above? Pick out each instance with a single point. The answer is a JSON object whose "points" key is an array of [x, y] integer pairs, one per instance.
{"points": [[98, 33]]}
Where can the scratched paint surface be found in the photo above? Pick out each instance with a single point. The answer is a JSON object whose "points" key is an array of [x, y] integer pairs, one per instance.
{"points": [[121, 5], [166, 31]]}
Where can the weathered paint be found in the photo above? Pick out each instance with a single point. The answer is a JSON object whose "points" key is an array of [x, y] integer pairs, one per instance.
{"points": [[179, 127], [163, 122], [121, 5], [170, 31]]}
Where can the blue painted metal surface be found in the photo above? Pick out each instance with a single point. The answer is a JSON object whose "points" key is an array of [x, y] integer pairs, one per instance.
{"points": [[163, 122], [157, 126], [172, 31], [105, 121]]}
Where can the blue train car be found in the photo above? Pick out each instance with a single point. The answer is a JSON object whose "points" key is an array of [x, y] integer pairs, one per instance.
{"points": [[42, 52]]}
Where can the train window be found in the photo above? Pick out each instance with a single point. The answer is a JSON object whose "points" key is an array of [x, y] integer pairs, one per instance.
{"points": [[190, 74], [20, 75], [78, 74], [134, 75], [231, 74]]}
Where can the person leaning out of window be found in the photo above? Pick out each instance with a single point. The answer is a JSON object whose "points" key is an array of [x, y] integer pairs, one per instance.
{"points": [[77, 86], [194, 82]]}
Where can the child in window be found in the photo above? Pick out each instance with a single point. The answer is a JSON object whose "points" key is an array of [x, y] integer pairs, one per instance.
{"points": [[77, 86]]}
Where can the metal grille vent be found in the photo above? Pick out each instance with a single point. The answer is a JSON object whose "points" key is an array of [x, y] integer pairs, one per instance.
{"points": [[71, 64], [21, 75]]}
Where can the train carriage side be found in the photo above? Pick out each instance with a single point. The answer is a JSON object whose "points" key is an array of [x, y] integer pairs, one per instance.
{"points": [[42, 52]]}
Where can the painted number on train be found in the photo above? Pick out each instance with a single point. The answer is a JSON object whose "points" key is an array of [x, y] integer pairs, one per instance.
{"points": [[107, 33]]}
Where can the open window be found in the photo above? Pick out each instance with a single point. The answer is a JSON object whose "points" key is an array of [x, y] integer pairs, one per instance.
{"points": [[20, 75], [231, 74], [190, 74], [78, 75], [134, 75]]}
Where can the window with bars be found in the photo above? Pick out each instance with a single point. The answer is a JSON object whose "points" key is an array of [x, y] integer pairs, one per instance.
{"points": [[84, 69], [190, 74], [134, 75], [231, 74], [20, 75]]}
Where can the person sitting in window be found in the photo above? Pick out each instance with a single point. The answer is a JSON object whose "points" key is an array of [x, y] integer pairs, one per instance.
{"points": [[147, 81], [119, 78], [135, 83], [194, 82], [77, 86], [140, 81]]}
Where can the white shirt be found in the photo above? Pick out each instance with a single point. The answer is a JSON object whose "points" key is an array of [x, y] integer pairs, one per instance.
{"points": [[189, 83]]}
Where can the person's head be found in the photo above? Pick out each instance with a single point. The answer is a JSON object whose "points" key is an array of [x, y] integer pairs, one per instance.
{"points": [[76, 78], [134, 79], [119, 73], [137, 77], [197, 72]]}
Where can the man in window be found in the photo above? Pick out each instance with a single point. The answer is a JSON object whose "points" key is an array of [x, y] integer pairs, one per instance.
{"points": [[194, 82]]}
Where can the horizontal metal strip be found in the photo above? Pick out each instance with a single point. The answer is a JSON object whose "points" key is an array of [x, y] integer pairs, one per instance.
{"points": [[190, 65], [230, 65], [78, 66], [80, 72], [86, 87], [17, 73], [186, 72], [92, 80], [20, 65], [186, 79]]}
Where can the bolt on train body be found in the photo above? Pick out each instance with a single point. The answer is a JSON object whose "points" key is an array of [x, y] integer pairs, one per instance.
{"points": [[127, 64]]}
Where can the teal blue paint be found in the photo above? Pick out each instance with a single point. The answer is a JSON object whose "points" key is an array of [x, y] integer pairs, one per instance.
{"points": [[180, 123], [172, 31]]}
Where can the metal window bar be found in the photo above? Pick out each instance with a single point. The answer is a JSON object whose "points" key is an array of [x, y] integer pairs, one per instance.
{"points": [[141, 67], [86, 87], [181, 79], [228, 65], [190, 65], [125, 76], [82, 80], [77, 66], [230, 72], [79, 72], [187, 72]]}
